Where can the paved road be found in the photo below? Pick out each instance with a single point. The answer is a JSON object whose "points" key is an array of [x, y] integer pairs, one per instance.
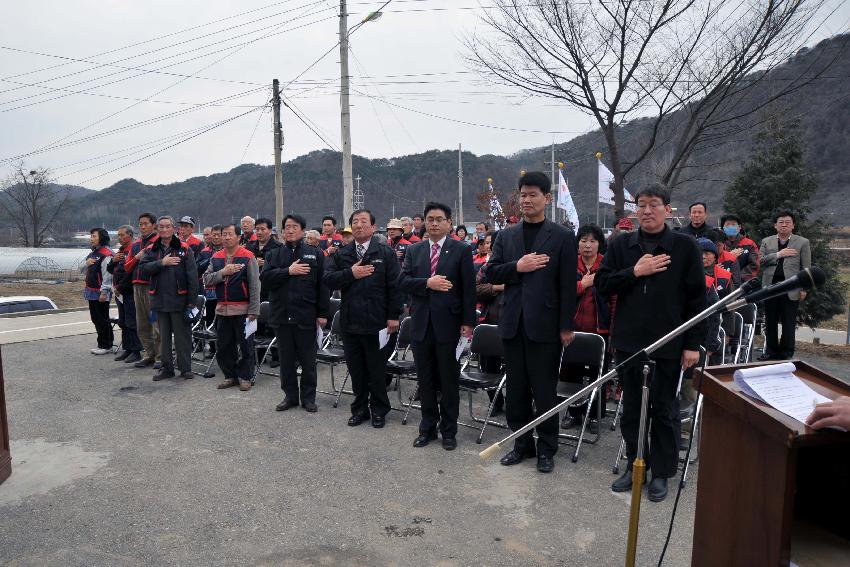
{"points": [[37, 327], [826, 336]]}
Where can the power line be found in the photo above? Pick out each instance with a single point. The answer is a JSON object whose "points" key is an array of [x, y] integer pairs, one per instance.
{"points": [[251, 139]]}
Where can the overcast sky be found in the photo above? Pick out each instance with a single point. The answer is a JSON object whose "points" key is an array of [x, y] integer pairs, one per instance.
{"points": [[422, 39]]}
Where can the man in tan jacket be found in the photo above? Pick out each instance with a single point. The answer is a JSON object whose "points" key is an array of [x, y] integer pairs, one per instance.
{"points": [[782, 256]]}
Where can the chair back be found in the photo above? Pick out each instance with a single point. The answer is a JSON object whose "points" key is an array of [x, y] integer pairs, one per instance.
{"points": [[265, 310], [486, 341], [749, 313], [587, 349], [196, 320], [404, 333], [333, 308]]}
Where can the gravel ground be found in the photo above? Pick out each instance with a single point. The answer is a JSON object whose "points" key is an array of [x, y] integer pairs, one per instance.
{"points": [[111, 468]]}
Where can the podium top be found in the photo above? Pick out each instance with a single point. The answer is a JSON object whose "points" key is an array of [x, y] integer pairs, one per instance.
{"points": [[720, 388]]}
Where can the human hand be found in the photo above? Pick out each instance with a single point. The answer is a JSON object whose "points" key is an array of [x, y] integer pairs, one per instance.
{"points": [[786, 252], [331, 249], [252, 317], [567, 337], [103, 298], [831, 414], [90, 261], [649, 264], [359, 271], [230, 269], [689, 358], [321, 322], [296, 268], [399, 253], [171, 260], [498, 288], [803, 295], [532, 262], [466, 331], [260, 262], [118, 257], [737, 252], [438, 283], [392, 326], [587, 280]]}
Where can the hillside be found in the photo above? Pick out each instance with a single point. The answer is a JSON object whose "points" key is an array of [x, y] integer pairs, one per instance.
{"points": [[312, 182]]}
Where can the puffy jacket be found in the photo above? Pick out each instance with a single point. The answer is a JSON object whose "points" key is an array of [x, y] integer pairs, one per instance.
{"points": [[233, 288], [400, 244], [172, 288], [748, 261], [367, 303], [97, 280], [298, 300], [121, 280], [131, 264]]}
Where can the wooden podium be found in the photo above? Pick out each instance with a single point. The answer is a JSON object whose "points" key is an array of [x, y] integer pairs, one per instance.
{"points": [[5, 456], [770, 489]]}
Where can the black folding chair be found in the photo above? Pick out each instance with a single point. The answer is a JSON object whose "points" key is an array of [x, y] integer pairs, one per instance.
{"points": [[748, 317], [486, 342], [263, 342], [202, 335], [398, 366], [331, 354], [587, 352]]}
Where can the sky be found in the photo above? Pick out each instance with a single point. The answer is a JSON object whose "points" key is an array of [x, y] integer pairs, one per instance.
{"points": [[77, 94]]}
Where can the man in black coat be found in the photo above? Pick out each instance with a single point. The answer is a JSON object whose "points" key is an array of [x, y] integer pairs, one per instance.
{"points": [[438, 273], [293, 277], [367, 272], [536, 261], [122, 284], [657, 275]]}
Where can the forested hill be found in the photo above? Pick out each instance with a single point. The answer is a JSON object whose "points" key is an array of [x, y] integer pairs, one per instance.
{"points": [[312, 182]]}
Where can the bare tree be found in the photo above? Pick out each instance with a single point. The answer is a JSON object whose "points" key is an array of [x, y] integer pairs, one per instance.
{"points": [[32, 203], [618, 60]]}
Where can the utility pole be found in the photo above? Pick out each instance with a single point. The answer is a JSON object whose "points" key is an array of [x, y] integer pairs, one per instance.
{"points": [[460, 184], [393, 210], [345, 114], [555, 184], [278, 145]]}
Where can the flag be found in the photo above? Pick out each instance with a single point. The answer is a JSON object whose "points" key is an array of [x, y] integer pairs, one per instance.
{"points": [[606, 194], [565, 201], [495, 208]]}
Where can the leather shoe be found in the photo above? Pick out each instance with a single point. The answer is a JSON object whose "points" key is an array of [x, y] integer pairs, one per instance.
{"points": [[545, 463], [311, 407], [244, 385], [449, 443], [144, 363], [378, 421], [132, 357], [765, 357], [657, 489], [357, 419], [122, 355], [187, 375], [424, 439], [285, 405], [228, 383], [570, 422], [624, 483], [162, 375], [274, 363], [515, 457]]}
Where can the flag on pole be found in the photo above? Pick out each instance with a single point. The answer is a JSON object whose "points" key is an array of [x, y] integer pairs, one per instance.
{"points": [[606, 194], [565, 201], [495, 208]]}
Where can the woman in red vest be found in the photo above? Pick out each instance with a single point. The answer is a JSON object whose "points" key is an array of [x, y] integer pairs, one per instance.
{"points": [[98, 290]]}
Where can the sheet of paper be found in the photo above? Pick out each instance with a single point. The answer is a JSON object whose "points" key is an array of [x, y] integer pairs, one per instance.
{"points": [[119, 299], [320, 336], [462, 344], [383, 337], [781, 389], [193, 312], [250, 327]]}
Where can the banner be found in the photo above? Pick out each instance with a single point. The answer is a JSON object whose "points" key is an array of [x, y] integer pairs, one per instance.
{"points": [[495, 208], [606, 194], [565, 201]]}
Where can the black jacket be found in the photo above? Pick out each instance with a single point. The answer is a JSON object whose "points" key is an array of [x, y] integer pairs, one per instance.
{"points": [[121, 280], [254, 247], [172, 288], [446, 310], [367, 303], [298, 300], [701, 232], [545, 299], [650, 307]]}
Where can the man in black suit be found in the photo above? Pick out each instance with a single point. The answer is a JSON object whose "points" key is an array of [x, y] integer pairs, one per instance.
{"points": [[366, 271], [439, 274], [536, 261]]}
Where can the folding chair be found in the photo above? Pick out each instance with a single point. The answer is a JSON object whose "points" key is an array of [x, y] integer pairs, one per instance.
{"points": [[486, 342], [331, 354], [202, 335], [587, 350], [748, 316], [398, 366], [263, 342]]}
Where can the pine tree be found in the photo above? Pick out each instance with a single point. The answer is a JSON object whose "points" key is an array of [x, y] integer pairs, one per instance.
{"points": [[776, 179]]}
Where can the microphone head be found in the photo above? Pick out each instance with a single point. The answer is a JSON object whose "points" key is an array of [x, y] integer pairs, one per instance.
{"points": [[814, 277], [752, 285]]}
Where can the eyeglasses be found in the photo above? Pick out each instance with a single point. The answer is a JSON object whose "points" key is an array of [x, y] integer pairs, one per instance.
{"points": [[651, 204], [435, 220]]}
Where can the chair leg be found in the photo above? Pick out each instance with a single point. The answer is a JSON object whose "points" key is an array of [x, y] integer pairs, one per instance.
{"points": [[617, 413], [616, 468], [584, 422], [410, 404], [341, 388]]}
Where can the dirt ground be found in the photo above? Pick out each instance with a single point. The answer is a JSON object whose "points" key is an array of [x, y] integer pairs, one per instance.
{"points": [[64, 295]]}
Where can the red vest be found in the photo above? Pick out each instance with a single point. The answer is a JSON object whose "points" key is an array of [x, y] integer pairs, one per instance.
{"points": [[232, 289]]}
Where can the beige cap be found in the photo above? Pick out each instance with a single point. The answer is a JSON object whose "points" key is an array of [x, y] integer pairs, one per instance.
{"points": [[394, 223]]}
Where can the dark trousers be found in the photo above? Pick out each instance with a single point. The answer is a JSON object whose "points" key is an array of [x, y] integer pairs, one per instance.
{"points": [[209, 317], [99, 312], [532, 377], [367, 367], [663, 423], [127, 321], [297, 346], [437, 370], [235, 354], [174, 323], [780, 311]]}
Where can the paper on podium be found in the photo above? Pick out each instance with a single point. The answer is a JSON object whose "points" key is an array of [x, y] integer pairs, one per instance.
{"points": [[777, 386], [383, 337]]}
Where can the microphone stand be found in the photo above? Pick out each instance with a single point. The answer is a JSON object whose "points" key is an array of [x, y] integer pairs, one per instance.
{"points": [[718, 307]]}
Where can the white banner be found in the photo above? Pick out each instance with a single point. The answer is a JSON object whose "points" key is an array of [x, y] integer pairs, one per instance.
{"points": [[565, 201], [496, 210], [606, 195]]}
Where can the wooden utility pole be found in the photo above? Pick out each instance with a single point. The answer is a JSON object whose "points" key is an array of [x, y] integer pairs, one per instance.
{"points": [[278, 146], [345, 115], [460, 184]]}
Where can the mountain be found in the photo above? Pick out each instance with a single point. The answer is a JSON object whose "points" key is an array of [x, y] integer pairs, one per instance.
{"points": [[312, 183]]}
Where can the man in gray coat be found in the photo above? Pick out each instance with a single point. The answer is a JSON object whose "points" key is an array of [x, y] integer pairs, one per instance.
{"points": [[782, 256]]}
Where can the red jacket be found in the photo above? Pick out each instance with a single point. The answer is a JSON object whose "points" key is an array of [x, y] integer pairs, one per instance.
{"points": [[593, 314]]}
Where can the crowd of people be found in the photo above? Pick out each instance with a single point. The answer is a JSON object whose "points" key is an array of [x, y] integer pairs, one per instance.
{"points": [[537, 280]]}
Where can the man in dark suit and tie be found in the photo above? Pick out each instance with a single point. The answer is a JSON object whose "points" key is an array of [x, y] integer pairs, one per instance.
{"points": [[536, 261], [439, 275]]}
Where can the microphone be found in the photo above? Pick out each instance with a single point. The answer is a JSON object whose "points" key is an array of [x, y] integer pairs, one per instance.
{"points": [[810, 278]]}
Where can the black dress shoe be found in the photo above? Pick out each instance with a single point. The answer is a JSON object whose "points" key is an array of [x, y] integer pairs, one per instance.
{"points": [[122, 355], [378, 421], [311, 407], [162, 375], [449, 443], [187, 375], [132, 358], [624, 483], [515, 457], [545, 463], [570, 422], [285, 405], [424, 439], [144, 363], [765, 357], [357, 419], [657, 489], [274, 363]]}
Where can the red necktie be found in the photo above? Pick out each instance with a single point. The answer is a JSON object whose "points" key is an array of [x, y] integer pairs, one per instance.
{"points": [[435, 256]]}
